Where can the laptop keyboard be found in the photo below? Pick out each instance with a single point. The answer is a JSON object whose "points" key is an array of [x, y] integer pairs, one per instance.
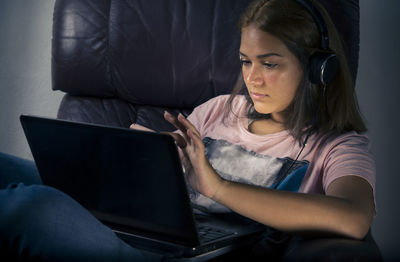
{"points": [[207, 233]]}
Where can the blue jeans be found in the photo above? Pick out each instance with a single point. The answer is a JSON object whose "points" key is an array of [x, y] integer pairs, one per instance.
{"points": [[40, 223]]}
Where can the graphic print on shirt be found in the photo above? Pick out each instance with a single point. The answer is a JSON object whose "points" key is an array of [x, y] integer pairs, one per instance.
{"points": [[235, 163]]}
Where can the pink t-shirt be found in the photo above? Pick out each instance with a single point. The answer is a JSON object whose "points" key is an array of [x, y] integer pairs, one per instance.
{"points": [[239, 155]]}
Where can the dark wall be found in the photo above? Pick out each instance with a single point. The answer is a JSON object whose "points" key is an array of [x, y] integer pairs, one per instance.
{"points": [[379, 91]]}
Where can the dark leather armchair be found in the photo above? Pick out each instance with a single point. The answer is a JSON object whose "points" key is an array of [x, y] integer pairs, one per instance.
{"points": [[123, 62]]}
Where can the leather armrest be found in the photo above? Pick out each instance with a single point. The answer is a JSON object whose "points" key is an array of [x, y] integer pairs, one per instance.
{"points": [[333, 249]]}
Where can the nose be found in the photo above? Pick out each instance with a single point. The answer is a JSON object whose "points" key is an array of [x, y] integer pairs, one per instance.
{"points": [[254, 76]]}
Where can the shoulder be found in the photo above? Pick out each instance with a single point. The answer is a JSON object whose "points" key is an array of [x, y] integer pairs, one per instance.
{"points": [[219, 104], [222, 100], [337, 155], [215, 101], [331, 148], [348, 154], [214, 111], [345, 141]]}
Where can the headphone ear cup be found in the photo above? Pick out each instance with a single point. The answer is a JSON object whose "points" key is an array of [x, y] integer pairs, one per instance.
{"points": [[323, 68]]}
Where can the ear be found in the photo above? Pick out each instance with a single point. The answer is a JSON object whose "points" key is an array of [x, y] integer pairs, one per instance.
{"points": [[323, 67]]}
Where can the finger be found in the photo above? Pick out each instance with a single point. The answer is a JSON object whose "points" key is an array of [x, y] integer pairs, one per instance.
{"points": [[174, 121], [187, 124], [179, 140], [140, 127], [195, 138]]}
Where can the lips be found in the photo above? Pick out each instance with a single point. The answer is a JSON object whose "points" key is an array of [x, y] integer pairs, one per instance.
{"points": [[257, 96]]}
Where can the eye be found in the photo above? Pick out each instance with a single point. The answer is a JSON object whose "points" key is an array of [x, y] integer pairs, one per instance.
{"points": [[269, 65], [245, 62]]}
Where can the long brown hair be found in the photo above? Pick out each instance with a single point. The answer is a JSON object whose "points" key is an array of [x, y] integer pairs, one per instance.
{"points": [[338, 110]]}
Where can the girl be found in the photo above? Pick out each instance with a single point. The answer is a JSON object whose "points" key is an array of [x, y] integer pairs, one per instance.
{"points": [[285, 130]]}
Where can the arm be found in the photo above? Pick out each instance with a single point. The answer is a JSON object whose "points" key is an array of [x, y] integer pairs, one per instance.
{"points": [[347, 208]]}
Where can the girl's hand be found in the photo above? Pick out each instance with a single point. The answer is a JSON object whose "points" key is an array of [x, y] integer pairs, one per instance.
{"points": [[202, 177]]}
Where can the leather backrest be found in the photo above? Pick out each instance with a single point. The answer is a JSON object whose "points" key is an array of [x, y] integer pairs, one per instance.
{"points": [[174, 53]]}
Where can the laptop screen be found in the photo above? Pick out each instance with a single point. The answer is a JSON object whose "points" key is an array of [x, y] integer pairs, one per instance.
{"points": [[127, 178]]}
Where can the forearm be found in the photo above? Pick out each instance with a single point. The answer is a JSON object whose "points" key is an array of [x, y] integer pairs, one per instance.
{"points": [[294, 212]]}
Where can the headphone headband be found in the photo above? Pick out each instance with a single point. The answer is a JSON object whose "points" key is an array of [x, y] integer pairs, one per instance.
{"points": [[323, 65], [319, 21]]}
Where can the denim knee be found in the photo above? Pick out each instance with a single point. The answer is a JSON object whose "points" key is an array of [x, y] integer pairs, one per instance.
{"points": [[23, 219], [17, 170], [41, 223], [27, 209]]}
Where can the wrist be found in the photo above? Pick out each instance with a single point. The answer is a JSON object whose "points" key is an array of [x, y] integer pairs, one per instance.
{"points": [[220, 187], [214, 181]]}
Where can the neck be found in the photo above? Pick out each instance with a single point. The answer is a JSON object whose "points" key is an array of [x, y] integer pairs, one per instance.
{"points": [[265, 126]]}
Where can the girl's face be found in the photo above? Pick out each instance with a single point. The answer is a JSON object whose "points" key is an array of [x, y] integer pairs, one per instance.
{"points": [[271, 72]]}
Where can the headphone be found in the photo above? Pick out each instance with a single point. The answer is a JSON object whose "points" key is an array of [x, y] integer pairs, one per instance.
{"points": [[323, 65]]}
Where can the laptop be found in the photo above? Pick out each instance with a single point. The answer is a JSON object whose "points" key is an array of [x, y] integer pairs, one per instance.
{"points": [[133, 182]]}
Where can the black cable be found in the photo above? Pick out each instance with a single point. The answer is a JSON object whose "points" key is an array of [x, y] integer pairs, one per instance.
{"points": [[301, 150]]}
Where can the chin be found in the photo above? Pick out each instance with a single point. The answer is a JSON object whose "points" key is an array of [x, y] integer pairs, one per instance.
{"points": [[262, 109]]}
